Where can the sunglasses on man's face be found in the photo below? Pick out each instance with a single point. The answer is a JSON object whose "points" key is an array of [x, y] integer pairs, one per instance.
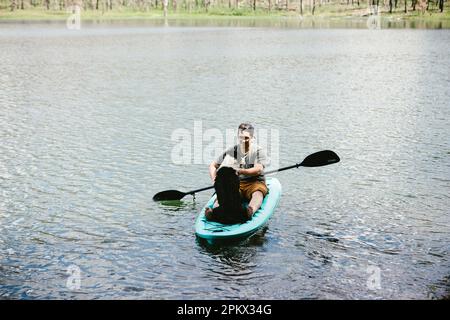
{"points": [[244, 138]]}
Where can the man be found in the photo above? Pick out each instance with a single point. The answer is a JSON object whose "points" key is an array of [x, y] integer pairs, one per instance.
{"points": [[249, 161]]}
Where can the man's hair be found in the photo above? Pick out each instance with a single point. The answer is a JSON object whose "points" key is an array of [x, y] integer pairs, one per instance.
{"points": [[247, 127]]}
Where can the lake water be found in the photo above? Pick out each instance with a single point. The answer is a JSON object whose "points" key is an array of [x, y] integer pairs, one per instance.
{"points": [[86, 120]]}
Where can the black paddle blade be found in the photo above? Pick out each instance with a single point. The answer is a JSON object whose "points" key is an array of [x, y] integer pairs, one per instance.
{"points": [[168, 195], [321, 158]]}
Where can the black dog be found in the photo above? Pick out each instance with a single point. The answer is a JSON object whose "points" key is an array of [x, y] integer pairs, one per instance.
{"points": [[230, 209]]}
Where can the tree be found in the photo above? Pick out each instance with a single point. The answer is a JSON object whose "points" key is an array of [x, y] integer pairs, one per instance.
{"points": [[165, 4]]}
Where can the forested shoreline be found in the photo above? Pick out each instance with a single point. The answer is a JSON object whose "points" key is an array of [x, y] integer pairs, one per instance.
{"points": [[228, 7]]}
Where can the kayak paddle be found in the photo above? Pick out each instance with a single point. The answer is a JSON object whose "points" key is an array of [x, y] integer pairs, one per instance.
{"points": [[318, 159]]}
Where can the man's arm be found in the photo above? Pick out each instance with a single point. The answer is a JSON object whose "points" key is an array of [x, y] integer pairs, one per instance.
{"points": [[255, 171], [212, 170], [260, 163]]}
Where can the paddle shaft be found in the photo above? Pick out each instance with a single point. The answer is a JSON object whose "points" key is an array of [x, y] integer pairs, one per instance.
{"points": [[248, 178], [317, 159]]}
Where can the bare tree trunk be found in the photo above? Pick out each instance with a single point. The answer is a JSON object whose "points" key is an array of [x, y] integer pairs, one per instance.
{"points": [[270, 5], [406, 8], [301, 7], [254, 5], [395, 4], [287, 5], [13, 5], [165, 5], [441, 5], [390, 6], [314, 7], [47, 4], [96, 4]]}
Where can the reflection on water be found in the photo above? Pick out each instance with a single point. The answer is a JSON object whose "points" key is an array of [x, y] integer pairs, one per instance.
{"points": [[175, 205], [356, 22], [234, 263], [85, 142], [257, 239]]}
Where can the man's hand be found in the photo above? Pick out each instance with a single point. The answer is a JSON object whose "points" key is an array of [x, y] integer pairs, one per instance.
{"points": [[255, 171], [241, 171]]}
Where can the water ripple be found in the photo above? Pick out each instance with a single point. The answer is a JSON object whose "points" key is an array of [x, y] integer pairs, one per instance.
{"points": [[85, 146]]}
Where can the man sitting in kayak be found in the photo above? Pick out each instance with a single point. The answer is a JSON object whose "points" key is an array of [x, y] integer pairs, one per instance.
{"points": [[249, 161]]}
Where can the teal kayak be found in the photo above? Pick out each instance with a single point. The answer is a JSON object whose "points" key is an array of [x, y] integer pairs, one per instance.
{"points": [[215, 231]]}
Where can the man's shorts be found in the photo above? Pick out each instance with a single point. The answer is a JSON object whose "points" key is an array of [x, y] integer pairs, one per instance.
{"points": [[248, 187]]}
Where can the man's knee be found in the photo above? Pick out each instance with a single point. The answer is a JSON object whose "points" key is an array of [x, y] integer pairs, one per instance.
{"points": [[257, 194]]}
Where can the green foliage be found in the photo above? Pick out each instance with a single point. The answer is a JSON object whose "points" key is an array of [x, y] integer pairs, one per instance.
{"points": [[140, 9]]}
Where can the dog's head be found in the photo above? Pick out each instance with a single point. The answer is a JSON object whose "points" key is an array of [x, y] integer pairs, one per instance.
{"points": [[225, 172]]}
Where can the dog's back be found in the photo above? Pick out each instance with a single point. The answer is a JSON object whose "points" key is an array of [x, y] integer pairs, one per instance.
{"points": [[230, 209]]}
